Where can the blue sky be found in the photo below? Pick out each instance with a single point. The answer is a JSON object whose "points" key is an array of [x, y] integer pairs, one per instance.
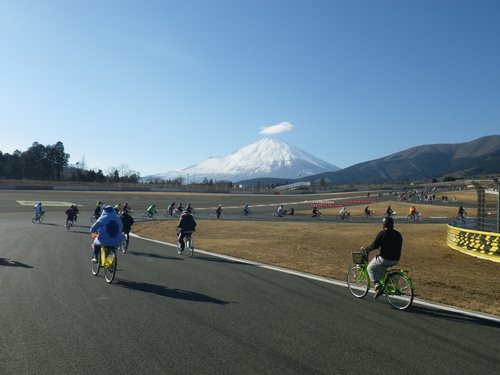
{"points": [[161, 85]]}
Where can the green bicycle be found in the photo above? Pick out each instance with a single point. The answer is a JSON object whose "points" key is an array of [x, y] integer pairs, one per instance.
{"points": [[396, 285]]}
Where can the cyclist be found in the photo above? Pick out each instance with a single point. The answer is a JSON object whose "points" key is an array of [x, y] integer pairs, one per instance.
{"points": [[343, 213], [390, 242], [218, 211], [109, 228], [367, 211], [189, 209], [126, 207], [98, 209], [38, 209], [75, 208], [281, 211], [151, 210], [246, 209], [170, 208], [461, 212], [117, 208], [186, 226], [389, 211], [292, 211], [127, 222], [315, 211], [70, 215], [180, 208], [413, 211]]}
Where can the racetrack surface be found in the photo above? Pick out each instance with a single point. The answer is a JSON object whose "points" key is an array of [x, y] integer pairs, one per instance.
{"points": [[166, 313]]}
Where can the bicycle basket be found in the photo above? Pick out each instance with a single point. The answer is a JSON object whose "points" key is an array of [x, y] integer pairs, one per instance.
{"points": [[359, 257]]}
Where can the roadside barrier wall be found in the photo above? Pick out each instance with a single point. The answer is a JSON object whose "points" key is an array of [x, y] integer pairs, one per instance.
{"points": [[473, 242]]}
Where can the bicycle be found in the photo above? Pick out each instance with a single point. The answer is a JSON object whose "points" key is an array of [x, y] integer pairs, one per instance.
{"points": [[347, 217], [148, 215], [123, 244], [284, 215], [249, 214], [38, 217], [372, 215], [393, 215], [189, 246], [223, 216], [396, 285], [69, 224], [107, 260], [462, 216], [415, 217], [318, 216]]}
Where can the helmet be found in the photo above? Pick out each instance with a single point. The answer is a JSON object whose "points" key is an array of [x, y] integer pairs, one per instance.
{"points": [[314, 207], [388, 222], [220, 205], [39, 202], [189, 205]]}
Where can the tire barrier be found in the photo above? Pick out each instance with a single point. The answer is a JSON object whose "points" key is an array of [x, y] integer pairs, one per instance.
{"points": [[480, 244]]}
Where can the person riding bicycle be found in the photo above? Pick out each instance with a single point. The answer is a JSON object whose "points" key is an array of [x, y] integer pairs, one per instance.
{"points": [[170, 208], [98, 209], [246, 209], [218, 211], [126, 207], [367, 211], [389, 211], [75, 208], [189, 209], [281, 211], [151, 210], [413, 211], [390, 242], [461, 212], [38, 209], [117, 208], [186, 225], [292, 211], [343, 212], [109, 228], [70, 215], [315, 211], [127, 222], [180, 208]]}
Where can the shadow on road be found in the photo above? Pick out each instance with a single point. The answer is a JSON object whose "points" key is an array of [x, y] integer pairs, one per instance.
{"points": [[152, 255], [454, 316], [222, 260], [12, 263], [163, 291]]}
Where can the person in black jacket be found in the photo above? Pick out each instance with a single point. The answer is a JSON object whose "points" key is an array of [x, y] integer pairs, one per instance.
{"points": [[127, 222], [390, 242], [186, 225]]}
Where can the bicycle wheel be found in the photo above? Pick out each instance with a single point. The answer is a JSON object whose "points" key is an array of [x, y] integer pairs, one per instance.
{"points": [[190, 247], [110, 271], [33, 219], [223, 215], [242, 214], [123, 245], [179, 250], [213, 216], [96, 266], [357, 282], [311, 216], [349, 218], [145, 216], [364, 215], [194, 214], [409, 218], [398, 290], [320, 217], [166, 213], [419, 218], [251, 214]]}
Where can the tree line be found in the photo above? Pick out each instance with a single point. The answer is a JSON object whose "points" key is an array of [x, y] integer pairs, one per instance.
{"points": [[50, 163]]}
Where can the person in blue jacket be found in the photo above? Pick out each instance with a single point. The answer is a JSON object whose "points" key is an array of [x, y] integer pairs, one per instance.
{"points": [[109, 228]]}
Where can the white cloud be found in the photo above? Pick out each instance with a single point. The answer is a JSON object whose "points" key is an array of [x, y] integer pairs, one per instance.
{"points": [[275, 129]]}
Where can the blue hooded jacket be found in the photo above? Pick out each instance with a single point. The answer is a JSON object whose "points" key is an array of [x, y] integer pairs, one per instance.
{"points": [[109, 228]]}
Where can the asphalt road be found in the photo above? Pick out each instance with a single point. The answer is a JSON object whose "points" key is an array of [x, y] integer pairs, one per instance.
{"points": [[168, 314]]}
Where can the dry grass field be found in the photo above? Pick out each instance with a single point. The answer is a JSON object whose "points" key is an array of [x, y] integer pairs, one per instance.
{"points": [[439, 273]]}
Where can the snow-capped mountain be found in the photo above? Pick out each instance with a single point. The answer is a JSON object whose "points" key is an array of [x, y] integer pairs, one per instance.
{"points": [[268, 157]]}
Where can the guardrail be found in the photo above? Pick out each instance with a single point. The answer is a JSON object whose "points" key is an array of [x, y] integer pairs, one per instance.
{"points": [[461, 236]]}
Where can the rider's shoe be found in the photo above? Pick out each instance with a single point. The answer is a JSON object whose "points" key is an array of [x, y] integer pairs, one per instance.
{"points": [[94, 260], [378, 290]]}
